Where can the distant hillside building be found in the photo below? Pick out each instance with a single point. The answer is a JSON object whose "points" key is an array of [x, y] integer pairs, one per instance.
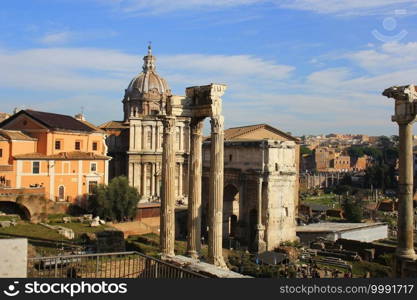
{"points": [[3, 116]]}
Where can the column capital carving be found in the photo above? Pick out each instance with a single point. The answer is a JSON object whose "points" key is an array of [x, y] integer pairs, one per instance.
{"points": [[196, 126], [217, 124], [405, 103], [169, 124]]}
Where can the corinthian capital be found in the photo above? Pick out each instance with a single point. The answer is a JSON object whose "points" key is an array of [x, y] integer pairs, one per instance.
{"points": [[169, 124], [196, 126], [217, 124], [402, 93], [405, 103]]}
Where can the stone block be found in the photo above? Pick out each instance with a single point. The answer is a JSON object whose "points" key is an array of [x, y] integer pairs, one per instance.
{"points": [[13, 258], [5, 224]]}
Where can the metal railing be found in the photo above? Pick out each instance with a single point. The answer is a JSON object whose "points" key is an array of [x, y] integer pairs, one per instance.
{"points": [[106, 265]]}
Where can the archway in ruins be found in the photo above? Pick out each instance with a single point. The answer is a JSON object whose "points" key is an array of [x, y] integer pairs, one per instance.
{"points": [[14, 208], [230, 210]]}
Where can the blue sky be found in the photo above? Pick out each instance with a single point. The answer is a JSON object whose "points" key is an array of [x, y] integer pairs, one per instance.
{"points": [[304, 66]]}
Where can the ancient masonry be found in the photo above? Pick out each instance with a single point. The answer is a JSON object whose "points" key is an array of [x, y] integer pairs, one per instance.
{"points": [[200, 102], [405, 115]]}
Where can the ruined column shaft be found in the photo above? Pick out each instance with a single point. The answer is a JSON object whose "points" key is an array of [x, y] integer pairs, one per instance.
{"points": [[215, 255], [194, 188], [405, 210], [167, 225]]}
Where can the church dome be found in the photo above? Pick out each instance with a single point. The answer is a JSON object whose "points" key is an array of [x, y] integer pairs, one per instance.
{"points": [[148, 81]]}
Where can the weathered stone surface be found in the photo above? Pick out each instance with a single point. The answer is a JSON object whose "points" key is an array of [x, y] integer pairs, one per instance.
{"points": [[194, 202], [13, 258], [5, 224], [405, 115], [66, 232], [167, 227], [204, 268], [94, 223], [215, 255]]}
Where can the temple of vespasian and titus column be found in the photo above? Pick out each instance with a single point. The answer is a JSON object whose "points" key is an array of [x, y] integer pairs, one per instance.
{"points": [[405, 114], [201, 102]]}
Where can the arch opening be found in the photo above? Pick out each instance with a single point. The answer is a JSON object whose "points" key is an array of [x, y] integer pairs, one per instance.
{"points": [[13, 208]]}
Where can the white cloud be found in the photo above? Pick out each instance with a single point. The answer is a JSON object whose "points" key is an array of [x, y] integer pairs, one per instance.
{"points": [[56, 38], [259, 90], [164, 6], [350, 7], [337, 7], [387, 58], [94, 69]]}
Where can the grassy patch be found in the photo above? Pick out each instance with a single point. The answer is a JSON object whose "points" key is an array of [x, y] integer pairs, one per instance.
{"points": [[360, 268], [31, 231], [9, 218], [326, 199], [80, 228]]}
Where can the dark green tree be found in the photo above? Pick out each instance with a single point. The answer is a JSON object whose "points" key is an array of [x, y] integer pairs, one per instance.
{"points": [[353, 209], [356, 151], [305, 150], [117, 201]]}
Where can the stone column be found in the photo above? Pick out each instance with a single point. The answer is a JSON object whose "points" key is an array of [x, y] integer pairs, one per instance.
{"points": [[215, 255], [260, 228], [180, 192], [136, 177], [405, 114], [144, 180], [194, 189], [405, 246], [131, 170], [167, 225]]}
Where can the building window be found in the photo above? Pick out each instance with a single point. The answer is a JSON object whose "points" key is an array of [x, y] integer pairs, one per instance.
{"points": [[95, 146], [77, 145], [149, 137], [91, 187], [61, 193], [1, 152], [58, 145], [276, 167], [93, 167], [230, 157], [36, 166]]}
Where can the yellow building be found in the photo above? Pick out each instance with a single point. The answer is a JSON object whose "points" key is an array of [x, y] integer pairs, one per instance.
{"points": [[64, 155]]}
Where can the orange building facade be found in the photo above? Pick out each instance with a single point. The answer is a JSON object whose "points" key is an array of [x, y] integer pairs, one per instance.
{"points": [[64, 155]]}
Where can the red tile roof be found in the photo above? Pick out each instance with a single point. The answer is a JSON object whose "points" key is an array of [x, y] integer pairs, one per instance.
{"points": [[76, 155], [14, 135], [53, 121]]}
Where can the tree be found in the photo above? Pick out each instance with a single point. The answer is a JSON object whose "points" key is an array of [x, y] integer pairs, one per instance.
{"points": [[305, 150], [353, 209], [355, 151], [117, 201]]}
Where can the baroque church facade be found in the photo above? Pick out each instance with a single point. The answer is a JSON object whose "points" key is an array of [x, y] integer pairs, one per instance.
{"points": [[135, 143]]}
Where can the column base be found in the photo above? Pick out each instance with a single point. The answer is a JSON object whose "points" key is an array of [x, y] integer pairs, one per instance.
{"points": [[218, 262], [407, 254], [167, 256], [193, 254]]}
